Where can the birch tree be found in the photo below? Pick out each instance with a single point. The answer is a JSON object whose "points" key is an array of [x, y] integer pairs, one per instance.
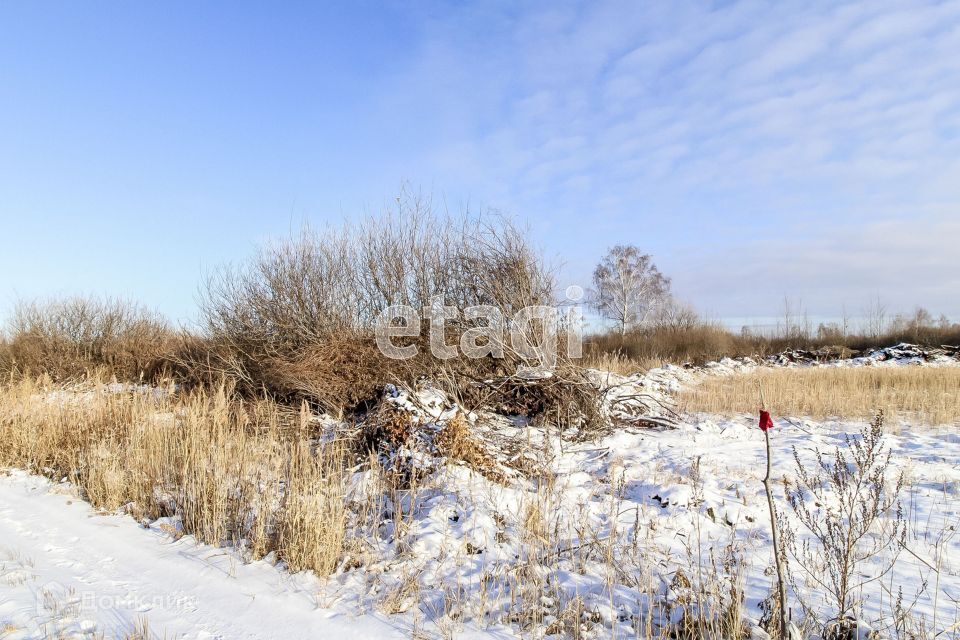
{"points": [[628, 287]]}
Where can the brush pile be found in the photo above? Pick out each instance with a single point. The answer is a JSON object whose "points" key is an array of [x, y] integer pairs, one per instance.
{"points": [[903, 353]]}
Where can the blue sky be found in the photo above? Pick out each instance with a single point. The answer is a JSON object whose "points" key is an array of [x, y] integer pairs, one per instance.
{"points": [[757, 150]]}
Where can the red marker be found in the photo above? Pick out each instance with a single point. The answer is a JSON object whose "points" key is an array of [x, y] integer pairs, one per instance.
{"points": [[765, 420]]}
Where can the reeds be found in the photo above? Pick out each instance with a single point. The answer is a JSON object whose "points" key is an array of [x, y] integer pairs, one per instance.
{"points": [[928, 394], [235, 472]]}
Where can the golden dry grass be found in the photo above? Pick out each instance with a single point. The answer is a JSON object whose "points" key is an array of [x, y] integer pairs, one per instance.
{"points": [[619, 363], [928, 394], [232, 470]]}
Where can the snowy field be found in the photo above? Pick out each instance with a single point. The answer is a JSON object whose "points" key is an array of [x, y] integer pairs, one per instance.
{"points": [[600, 539]]}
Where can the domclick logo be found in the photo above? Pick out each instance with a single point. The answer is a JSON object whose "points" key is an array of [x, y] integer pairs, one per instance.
{"points": [[56, 601], [531, 334], [137, 602]]}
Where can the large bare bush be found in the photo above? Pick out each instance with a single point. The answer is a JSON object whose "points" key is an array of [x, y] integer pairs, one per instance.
{"points": [[299, 319], [70, 337]]}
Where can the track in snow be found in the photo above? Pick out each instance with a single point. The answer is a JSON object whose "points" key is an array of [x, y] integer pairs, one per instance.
{"points": [[66, 571]]}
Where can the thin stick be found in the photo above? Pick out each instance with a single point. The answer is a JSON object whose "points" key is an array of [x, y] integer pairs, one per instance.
{"points": [[777, 555]]}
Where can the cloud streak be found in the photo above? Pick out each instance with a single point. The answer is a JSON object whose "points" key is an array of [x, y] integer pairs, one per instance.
{"points": [[754, 133]]}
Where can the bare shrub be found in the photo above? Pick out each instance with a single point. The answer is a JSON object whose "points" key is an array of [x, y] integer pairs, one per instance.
{"points": [[675, 316], [341, 372], [297, 322], [568, 398], [67, 338], [291, 294], [7, 361], [497, 266], [848, 502]]}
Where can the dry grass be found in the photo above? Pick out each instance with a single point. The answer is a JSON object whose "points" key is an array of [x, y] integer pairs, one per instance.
{"points": [[619, 363], [457, 441], [930, 394], [700, 342], [237, 473]]}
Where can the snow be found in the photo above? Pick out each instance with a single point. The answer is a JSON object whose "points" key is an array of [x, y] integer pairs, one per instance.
{"points": [[668, 498], [68, 572]]}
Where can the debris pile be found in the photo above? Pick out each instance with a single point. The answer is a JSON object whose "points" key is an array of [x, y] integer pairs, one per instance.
{"points": [[903, 353]]}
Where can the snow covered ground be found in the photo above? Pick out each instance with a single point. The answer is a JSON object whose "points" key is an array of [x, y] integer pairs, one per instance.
{"points": [[68, 572], [602, 532]]}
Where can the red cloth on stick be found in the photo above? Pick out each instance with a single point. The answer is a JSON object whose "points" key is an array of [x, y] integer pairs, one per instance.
{"points": [[765, 420]]}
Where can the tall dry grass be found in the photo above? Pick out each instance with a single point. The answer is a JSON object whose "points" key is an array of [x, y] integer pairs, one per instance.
{"points": [[246, 474], [930, 394], [620, 364]]}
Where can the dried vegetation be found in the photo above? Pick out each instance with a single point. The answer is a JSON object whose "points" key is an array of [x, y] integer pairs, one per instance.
{"points": [[931, 394]]}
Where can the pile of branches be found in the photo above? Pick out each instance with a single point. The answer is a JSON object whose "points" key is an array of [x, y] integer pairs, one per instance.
{"points": [[566, 398], [805, 356], [902, 351]]}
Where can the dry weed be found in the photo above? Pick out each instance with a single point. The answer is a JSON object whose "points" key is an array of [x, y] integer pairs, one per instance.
{"points": [[457, 441], [620, 364], [227, 469], [931, 394]]}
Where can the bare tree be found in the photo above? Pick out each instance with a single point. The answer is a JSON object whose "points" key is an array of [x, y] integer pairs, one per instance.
{"points": [[875, 318], [921, 325], [796, 321], [676, 316], [628, 287]]}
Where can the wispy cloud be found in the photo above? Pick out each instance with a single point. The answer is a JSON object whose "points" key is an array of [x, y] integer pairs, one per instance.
{"points": [[758, 149], [759, 134]]}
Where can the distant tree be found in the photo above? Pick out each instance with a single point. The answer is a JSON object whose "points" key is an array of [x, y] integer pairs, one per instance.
{"points": [[796, 324], [676, 316], [921, 319], [628, 287], [921, 325], [830, 332], [875, 315], [899, 324]]}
